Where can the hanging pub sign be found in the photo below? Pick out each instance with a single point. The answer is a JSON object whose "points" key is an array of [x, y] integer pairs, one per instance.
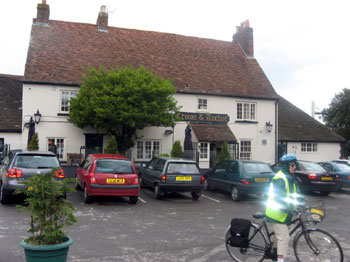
{"points": [[204, 118]]}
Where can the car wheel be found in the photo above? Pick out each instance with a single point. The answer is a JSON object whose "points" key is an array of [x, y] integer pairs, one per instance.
{"points": [[235, 194], [206, 185], [87, 198], [157, 192], [133, 199], [4, 195], [325, 193], [196, 195]]}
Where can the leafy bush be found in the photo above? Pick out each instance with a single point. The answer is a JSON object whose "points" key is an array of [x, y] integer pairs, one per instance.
{"points": [[224, 153], [112, 146], [34, 143], [176, 151], [50, 212]]}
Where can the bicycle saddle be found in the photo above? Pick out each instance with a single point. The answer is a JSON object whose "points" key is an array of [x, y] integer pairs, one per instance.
{"points": [[259, 215]]}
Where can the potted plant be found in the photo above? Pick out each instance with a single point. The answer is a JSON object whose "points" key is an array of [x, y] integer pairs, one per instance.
{"points": [[50, 212]]}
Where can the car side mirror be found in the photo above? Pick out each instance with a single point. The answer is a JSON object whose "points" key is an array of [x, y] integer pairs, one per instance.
{"points": [[143, 165]]}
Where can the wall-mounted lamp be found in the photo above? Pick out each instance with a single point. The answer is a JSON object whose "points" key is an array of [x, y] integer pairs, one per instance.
{"points": [[168, 132], [37, 117], [268, 127]]}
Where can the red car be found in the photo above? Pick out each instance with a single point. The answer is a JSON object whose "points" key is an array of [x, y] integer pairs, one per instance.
{"points": [[107, 175]]}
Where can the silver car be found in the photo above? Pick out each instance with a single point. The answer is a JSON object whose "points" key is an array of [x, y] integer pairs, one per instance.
{"points": [[20, 165]]}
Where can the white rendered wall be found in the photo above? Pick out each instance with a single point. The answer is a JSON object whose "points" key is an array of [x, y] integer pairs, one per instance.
{"points": [[325, 152]]}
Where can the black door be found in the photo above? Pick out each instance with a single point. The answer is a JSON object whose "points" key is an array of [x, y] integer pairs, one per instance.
{"points": [[93, 144]]}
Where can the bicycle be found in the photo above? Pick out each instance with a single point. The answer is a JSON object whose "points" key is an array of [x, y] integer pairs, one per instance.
{"points": [[309, 244]]}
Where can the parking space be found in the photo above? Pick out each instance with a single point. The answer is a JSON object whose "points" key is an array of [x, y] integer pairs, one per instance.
{"points": [[176, 228]]}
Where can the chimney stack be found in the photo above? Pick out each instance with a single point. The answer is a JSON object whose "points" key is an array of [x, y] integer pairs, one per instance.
{"points": [[43, 14], [102, 20], [244, 37]]}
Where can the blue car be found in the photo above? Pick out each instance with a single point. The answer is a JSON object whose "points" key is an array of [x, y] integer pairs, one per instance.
{"points": [[240, 177], [340, 169]]}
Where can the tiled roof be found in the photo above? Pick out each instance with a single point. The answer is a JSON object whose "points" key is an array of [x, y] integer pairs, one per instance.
{"points": [[11, 103], [213, 133], [295, 125], [59, 52]]}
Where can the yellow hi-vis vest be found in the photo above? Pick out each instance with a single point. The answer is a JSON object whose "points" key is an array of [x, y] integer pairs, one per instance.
{"points": [[272, 206]]}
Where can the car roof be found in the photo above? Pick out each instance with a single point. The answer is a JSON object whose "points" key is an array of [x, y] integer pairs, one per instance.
{"points": [[245, 161], [176, 159], [31, 152], [99, 156]]}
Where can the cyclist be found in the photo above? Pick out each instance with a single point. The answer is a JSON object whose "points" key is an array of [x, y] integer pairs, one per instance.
{"points": [[284, 194]]}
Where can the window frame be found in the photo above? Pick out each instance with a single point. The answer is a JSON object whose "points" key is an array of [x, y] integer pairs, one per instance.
{"points": [[309, 147], [245, 154], [246, 111], [202, 104], [66, 107], [204, 155], [147, 153], [60, 145]]}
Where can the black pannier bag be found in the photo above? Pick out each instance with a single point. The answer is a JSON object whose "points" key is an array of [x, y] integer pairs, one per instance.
{"points": [[239, 232]]}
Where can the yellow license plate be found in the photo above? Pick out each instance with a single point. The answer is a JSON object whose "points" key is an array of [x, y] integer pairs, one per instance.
{"points": [[183, 178], [325, 178], [261, 179], [115, 180]]}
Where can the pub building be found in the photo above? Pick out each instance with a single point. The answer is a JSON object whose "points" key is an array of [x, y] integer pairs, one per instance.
{"points": [[223, 92]]}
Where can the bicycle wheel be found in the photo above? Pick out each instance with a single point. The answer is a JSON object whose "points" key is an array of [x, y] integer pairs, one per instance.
{"points": [[255, 252], [316, 245]]}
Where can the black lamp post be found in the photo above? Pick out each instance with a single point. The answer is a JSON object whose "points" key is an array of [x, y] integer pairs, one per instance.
{"points": [[37, 117]]}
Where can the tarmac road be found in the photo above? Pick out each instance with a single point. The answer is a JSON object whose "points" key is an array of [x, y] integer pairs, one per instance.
{"points": [[174, 229]]}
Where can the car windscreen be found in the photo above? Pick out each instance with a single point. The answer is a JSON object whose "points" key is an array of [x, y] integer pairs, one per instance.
{"points": [[309, 166], [343, 167], [36, 161], [256, 168], [188, 168], [115, 166]]}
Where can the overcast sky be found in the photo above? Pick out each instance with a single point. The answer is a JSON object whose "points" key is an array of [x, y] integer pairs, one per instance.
{"points": [[302, 45]]}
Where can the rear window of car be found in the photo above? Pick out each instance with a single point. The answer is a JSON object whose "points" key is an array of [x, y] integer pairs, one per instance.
{"points": [[256, 168], [343, 167], [114, 166], [36, 161], [309, 166], [188, 168]]}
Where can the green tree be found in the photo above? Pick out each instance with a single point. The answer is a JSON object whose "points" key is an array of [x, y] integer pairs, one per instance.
{"points": [[112, 146], [34, 143], [176, 151], [337, 116], [224, 153], [122, 100]]}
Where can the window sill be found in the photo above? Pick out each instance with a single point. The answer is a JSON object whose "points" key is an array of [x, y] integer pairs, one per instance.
{"points": [[62, 114], [246, 122]]}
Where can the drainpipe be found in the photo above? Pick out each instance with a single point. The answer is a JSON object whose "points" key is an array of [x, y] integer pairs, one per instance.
{"points": [[276, 131]]}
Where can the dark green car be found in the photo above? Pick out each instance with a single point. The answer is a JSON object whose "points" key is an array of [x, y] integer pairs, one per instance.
{"points": [[240, 177]]}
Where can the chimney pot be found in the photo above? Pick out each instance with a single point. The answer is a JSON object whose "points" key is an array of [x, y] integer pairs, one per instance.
{"points": [[244, 37], [43, 14]]}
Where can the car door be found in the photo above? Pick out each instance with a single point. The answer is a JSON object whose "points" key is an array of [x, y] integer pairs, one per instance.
{"points": [[149, 174], [83, 172], [231, 175], [217, 175]]}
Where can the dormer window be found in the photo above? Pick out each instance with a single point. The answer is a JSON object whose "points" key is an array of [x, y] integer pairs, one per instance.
{"points": [[202, 103]]}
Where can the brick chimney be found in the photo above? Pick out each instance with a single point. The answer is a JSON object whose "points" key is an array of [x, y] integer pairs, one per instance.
{"points": [[244, 37], [102, 20], [43, 14]]}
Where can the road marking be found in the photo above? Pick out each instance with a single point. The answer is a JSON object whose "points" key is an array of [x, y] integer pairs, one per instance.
{"points": [[217, 201], [216, 250], [143, 201]]}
